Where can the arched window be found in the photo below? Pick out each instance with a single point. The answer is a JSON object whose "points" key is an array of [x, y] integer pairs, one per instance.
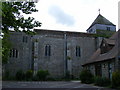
{"points": [[78, 51], [25, 39], [14, 53], [47, 50]]}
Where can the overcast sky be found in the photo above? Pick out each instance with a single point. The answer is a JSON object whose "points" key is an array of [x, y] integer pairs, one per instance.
{"points": [[74, 15]]}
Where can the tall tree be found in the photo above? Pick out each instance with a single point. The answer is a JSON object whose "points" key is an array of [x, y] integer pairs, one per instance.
{"points": [[12, 18]]}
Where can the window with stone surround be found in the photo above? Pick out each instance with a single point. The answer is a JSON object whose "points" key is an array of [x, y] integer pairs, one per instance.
{"points": [[78, 51], [47, 50]]}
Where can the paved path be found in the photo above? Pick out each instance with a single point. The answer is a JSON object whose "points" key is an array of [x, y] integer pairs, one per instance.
{"points": [[49, 84]]}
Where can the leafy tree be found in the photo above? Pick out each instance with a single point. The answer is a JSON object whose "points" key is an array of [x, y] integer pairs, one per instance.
{"points": [[12, 18], [6, 45]]}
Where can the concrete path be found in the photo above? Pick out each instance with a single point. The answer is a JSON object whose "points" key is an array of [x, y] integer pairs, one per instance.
{"points": [[50, 84]]}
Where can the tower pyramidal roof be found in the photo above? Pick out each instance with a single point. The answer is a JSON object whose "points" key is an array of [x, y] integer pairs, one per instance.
{"points": [[101, 20]]}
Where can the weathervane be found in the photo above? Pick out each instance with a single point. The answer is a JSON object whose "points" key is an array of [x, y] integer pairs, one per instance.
{"points": [[99, 11]]}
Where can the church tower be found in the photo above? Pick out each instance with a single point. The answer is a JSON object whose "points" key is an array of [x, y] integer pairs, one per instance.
{"points": [[101, 24]]}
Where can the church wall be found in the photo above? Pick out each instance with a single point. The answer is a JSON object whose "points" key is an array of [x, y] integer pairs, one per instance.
{"points": [[56, 62], [23, 59], [87, 47]]}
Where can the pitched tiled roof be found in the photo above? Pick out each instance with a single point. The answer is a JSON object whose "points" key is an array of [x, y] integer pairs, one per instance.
{"points": [[98, 57], [110, 41], [101, 20]]}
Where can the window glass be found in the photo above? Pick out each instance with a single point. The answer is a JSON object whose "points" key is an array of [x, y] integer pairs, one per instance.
{"points": [[25, 39], [14, 53], [108, 28], [47, 50], [78, 51]]}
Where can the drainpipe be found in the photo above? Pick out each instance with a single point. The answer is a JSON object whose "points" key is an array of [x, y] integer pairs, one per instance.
{"points": [[65, 53]]}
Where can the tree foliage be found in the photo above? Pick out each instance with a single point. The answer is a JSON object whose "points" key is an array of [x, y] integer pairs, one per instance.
{"points": [[6, 45], [116, 79], [13, 18]]}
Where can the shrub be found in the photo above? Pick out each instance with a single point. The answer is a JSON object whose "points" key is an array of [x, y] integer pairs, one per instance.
{"points": [[116, 79], [20, 75], [86, 77], [6, 75], [35, 78], [42, 74], [68, 76], [52, 79], [101, 81], [29, 75]]}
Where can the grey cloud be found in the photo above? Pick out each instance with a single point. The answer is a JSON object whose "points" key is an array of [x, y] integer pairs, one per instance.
{"points": [[60, 16]]}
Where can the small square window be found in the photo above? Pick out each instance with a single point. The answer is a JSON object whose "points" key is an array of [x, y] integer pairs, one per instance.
{"points": [[108, 28]]}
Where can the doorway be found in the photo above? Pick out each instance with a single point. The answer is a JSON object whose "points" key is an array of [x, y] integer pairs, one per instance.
{"points": [[98, 70]]}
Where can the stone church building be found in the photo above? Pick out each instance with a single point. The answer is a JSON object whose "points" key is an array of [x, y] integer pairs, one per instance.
{"points": [[58, 52]]}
